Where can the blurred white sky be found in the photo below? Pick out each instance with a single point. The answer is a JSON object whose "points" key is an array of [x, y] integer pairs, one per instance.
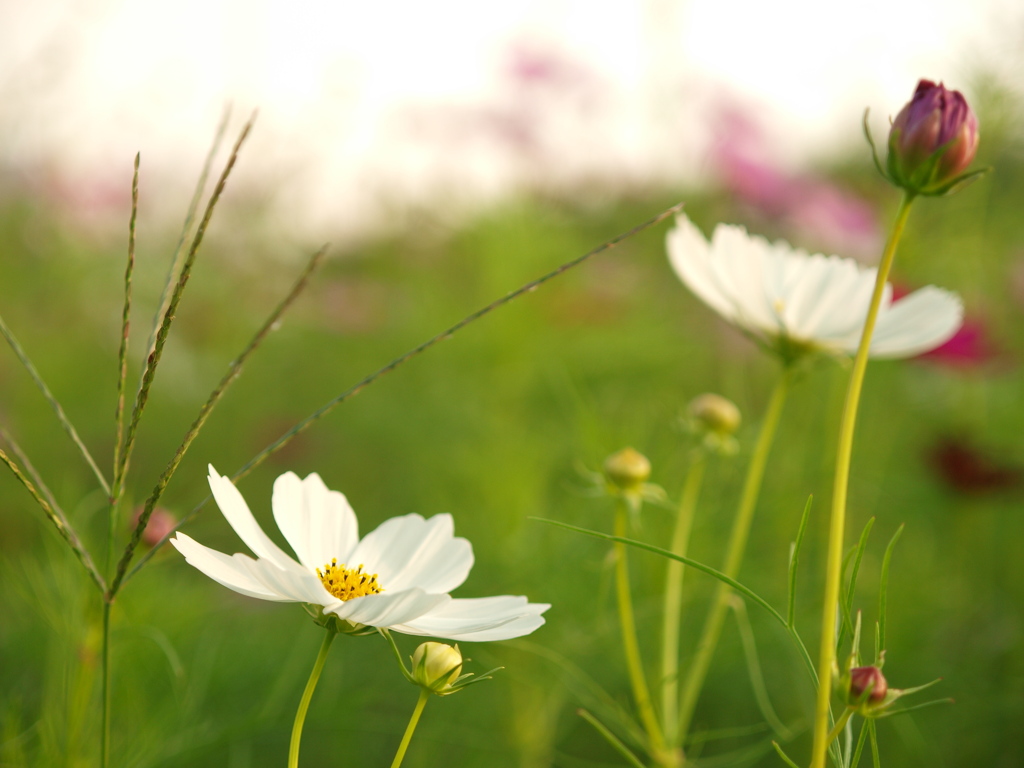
{"points": [[458, 100]]}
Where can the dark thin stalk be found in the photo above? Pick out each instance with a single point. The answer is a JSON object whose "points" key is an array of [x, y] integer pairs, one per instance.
{"points": [[32, 472], [398, 361], [61, 416], [446, 334], [234, 370], [59, 522], [153, 360], [105, 689], [122, 353]]}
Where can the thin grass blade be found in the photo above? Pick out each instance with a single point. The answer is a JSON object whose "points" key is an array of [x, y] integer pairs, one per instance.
{"points": [[784, 756], [754, 669], [57, 409], [861, 546], [611, 738], [794, 563], [59, 522], [883, 588], [443, 335]]}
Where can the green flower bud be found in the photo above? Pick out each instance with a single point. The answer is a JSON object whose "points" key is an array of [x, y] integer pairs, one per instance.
{"points": [[713, 413], [627, 470], [435, 666]]}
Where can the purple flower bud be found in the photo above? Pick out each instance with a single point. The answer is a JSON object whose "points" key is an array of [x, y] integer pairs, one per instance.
{"points": [[933, 139], [864, 678]]}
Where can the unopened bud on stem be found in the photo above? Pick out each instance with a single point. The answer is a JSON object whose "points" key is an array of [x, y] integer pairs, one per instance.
{"points": [[627, 470], [435, 666], [932, 141]]}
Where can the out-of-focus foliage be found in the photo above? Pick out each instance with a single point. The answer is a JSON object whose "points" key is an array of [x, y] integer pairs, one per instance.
{"points": [[491, 427]]}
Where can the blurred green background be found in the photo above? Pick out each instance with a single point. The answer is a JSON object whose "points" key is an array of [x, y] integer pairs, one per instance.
{"points": [[494, 426]]}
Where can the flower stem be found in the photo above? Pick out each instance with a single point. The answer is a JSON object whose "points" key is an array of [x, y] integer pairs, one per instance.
{"points": [[674, 599], [833, 573], [734, 555], [411, 727], [629, 639], [300, 715]]}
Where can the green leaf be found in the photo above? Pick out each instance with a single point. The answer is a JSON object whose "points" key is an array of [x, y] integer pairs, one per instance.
{"points": [[883, 590], [794, 562]]}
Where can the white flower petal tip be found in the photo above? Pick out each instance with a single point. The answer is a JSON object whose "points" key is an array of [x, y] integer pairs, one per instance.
{"points": [[798, 303], [397, 577]]}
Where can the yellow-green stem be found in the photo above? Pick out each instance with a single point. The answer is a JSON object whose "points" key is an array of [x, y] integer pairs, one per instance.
{"points": [[300, 715], [629, 639], [734, 555], [674, 600], [837, 523], [411, 727]]}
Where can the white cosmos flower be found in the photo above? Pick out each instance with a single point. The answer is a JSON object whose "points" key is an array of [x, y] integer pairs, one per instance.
{"points": [[397, 577], [797, 302]]}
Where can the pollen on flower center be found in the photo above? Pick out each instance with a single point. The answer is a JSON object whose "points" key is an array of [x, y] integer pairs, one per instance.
{"points": [[347, 583]]}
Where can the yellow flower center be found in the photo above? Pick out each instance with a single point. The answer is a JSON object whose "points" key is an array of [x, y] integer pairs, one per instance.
{"points": [[346, 583]]}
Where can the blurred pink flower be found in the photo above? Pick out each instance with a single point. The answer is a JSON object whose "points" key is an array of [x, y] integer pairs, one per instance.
{"points": [[815, 210], [161, 523]]}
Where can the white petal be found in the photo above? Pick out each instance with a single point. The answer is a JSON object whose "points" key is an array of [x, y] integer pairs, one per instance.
{"points": [[741, 264], [479, 619], [690, 258], [237, 513], [389, 608], [294, 582], [405, 550], [233, 571], [439, 563], [917, 323], [317, 522]]}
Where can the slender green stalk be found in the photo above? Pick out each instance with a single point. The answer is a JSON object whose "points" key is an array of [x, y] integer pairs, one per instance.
{"points": [[674, 599], [840, 724], [234, 370], [754, 668], [300, 714], [57, 409], [105, 689], [354, 390], [611, 738], [60, 522], [153, 360], [630, 645], [421, 702], [734, 555], [837, 525]]}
